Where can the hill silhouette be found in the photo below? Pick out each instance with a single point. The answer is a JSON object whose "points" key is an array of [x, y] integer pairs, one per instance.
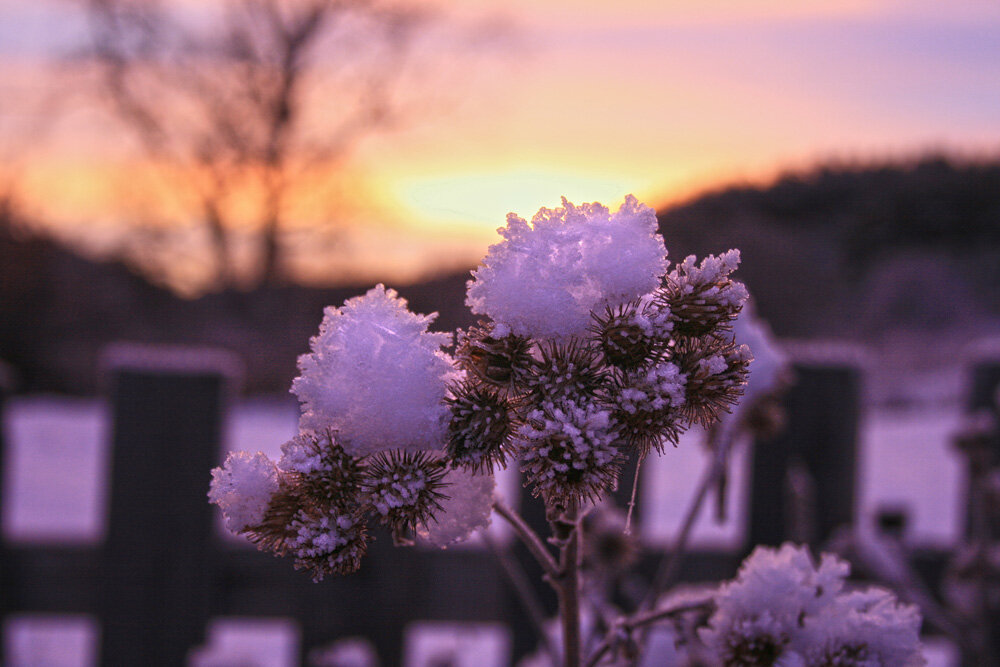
{"points": [[852, 252], [58, 311], [856, 251]]}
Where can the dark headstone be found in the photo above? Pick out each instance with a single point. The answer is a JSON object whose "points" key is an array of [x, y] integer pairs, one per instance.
{"points": [[984, 395], [6, 569], [819, 441], [168, 407]]}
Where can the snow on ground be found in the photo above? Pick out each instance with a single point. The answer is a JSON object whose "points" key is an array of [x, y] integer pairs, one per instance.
{"points": [[55, 469], [248, 642], [458, 644], [49, 640], [667, 488], [907, 462]]}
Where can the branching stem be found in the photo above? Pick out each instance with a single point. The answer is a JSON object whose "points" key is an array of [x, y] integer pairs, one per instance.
{"points": [[530, 539], [627, 625], [567, 587], [525, 593]]}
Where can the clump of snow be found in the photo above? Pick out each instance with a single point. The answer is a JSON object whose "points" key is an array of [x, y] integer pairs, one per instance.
{"points": [[243, 488], [713, 365], [300, 454], [467, 508], [784, 582], [377, 376], [546, 277], [784, 609], [861, 629], [713, 271]]}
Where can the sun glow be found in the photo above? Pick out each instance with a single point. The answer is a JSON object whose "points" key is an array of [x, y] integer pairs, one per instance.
{"points": [[482, 199], [577, 98]]}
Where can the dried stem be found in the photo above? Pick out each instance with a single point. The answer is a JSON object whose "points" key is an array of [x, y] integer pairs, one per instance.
{"points": [[568, 534], [525, 593], [628, 624], [530, 539], [631, 502]]}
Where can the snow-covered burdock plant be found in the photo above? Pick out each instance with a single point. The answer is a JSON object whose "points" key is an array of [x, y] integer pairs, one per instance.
{"points": [[591, 351]]}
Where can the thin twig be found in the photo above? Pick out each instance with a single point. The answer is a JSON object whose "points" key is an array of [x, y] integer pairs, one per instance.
{"points": [[630, 623], [631, 502], [526, 594], [530, 539], [670, 565]]}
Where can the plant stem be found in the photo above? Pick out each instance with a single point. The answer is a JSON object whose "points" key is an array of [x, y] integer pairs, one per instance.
{"points": [[530, 539], [640, 620], [568, 588], [525, 593]]}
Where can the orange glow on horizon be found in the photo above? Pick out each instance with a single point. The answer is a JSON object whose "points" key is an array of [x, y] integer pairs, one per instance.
{"points": [[588, 100]]}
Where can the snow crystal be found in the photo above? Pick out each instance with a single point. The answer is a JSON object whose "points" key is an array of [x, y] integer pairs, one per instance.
{"points": [[785, 608], [713, 365], [711, 279], [864, 629], [570, 450], [300, 454], [713, 270], [654, 389], [546, 277], [243, 488], [467, 508], [377, 376]]}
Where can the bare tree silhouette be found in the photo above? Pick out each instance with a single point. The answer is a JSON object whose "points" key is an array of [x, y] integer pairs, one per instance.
{"points": [[242, 102]]}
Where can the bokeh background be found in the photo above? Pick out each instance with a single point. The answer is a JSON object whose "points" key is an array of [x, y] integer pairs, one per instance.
{"points": [[215, 173]]}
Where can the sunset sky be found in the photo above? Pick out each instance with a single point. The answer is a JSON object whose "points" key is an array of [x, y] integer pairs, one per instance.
{"points": [[594, 100]]}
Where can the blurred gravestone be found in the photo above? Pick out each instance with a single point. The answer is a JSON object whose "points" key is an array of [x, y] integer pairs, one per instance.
{"points": [[6, 386], [984, 392], [984, 397], [803, 479], [168, 407]]}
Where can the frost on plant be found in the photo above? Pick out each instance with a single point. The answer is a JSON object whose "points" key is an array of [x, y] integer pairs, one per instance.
{"points": [[569, 451], [466, 509], [784, 609], [547, 277], [701, 296], [243, 488], [376, 376], [589, 353]]}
